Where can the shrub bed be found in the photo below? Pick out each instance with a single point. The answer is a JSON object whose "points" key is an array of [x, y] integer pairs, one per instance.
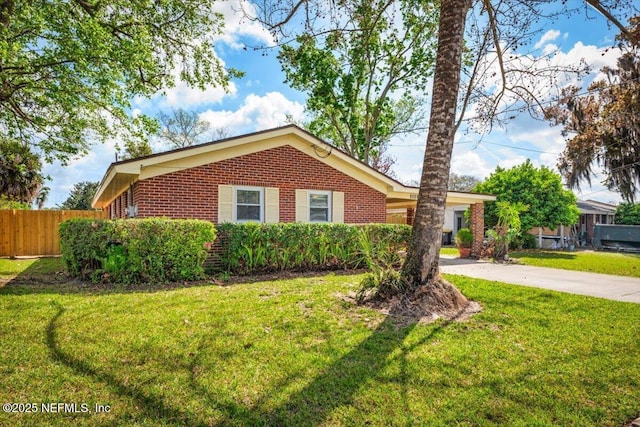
{"points": [[136, 250], [252, 248]]}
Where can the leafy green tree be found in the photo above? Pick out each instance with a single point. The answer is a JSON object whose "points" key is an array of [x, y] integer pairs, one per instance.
{"points": [[359, 77], [81, 196], [21, 179], [603, 126], [69, 69], [540, 189], [6, 203], [628, 214]]}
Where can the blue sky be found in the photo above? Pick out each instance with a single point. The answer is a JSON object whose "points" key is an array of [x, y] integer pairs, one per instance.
{"points": [[261, 100]]}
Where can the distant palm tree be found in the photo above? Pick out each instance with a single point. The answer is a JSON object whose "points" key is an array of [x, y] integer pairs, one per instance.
{"points": [[21, 179], [41, 199]]}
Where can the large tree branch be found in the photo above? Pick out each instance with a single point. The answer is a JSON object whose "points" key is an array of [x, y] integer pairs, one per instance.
{"points": [[493, 25], [6, 12], [294, 10], [474, 74], [633, 38]]}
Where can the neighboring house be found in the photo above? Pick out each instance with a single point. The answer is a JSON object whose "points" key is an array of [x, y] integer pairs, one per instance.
{"points": [[591, 213], [279, 175]]}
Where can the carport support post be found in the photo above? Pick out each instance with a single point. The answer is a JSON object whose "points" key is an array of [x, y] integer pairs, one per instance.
{"points": [[540, 237], [477, 228]]}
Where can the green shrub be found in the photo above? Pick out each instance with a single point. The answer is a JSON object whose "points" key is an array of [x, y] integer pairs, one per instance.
{"points": [[628, 214], [526, 241], [6, 203], [381, 283], [464, 238], [252, 248], [136, 250]]}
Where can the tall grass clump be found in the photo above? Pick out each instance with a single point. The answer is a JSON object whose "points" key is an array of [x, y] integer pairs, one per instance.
{"points": [[383, 258]]}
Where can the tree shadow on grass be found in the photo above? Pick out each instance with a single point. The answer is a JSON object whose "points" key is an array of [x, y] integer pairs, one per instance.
{"points": [[336, 386], [152, 406], [47, 275], [339, 384]]}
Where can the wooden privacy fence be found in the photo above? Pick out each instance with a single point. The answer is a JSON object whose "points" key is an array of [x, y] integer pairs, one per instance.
{"points": [[30, 233]]}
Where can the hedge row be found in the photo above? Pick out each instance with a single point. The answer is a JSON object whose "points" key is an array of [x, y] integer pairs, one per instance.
{"points": [[136, 250], [252, 248], [160, 250]]}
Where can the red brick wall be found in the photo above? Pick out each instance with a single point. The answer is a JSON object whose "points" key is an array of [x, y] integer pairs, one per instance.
{"points": [[477, 228], [193, 193]]}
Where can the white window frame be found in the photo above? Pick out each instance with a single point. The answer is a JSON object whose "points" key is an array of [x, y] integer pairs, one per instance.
{"points": [[235, 203], [320, 193]]}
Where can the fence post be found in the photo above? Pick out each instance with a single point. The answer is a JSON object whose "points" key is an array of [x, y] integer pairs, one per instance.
{"points": [[14, 238]]}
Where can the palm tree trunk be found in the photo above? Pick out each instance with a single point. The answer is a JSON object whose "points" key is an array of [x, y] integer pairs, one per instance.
{"points": [[423, 255]]}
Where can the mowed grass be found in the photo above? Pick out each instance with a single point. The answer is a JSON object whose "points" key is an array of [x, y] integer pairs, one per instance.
{"points": [[295, 353], [448, 250], [619, 264], [11, 267]]}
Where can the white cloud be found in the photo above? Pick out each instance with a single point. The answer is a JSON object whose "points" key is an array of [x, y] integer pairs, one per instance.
{"points": [[513, 160], [238, 26], [256, 113], [409, 175], [549, 36], [471, 163], [184, 96], [549, 49]]}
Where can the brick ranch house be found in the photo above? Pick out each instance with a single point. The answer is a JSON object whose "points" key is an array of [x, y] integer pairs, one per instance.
{"points": [[280, 175]]}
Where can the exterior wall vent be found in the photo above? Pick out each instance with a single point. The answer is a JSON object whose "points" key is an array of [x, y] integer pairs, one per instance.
{"points": [[132, 211]]}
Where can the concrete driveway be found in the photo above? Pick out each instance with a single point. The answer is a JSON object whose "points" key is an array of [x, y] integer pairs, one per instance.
{"points": [[596, 285]]}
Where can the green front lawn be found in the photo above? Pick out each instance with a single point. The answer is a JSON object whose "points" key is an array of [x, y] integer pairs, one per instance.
{"points": [[295, 352], [12, 267], [449, 251], [619, 264]]}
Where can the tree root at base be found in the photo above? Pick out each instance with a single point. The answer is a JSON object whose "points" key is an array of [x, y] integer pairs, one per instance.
{"points": [[438, 299]]}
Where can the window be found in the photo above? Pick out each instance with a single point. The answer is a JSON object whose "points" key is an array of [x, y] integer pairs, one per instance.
{"points": [[249, 204], [319, 206]]}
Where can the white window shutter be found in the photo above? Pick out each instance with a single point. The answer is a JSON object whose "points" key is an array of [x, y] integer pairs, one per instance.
{"points": [[271, 205], [337, 207], [302, 206], [225, 203]]}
